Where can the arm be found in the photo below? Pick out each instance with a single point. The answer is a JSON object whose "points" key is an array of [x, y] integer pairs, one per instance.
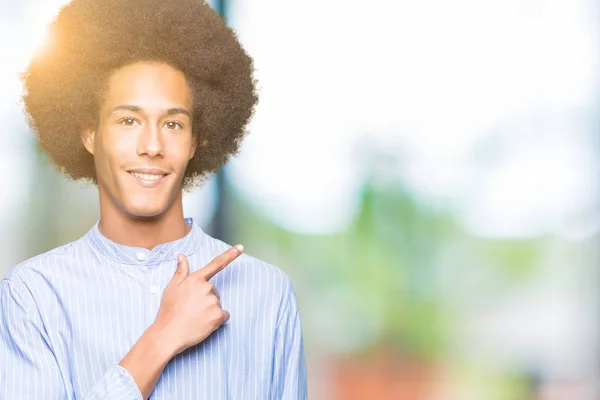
{"points": [[289, 373], [29, 367], [147, 359], [190, 311]]}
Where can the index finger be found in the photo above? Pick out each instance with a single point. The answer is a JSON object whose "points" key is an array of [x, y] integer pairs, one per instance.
{"points": [[220, 262]]}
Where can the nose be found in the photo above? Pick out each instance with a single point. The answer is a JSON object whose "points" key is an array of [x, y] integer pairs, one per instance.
{"points": [[150, 142]]}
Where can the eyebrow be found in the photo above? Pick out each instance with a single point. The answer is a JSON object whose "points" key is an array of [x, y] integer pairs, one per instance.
{"points": [[170, 111]]}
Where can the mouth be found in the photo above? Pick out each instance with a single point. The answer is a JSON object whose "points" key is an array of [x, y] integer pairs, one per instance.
{"points": [[148, 179]]}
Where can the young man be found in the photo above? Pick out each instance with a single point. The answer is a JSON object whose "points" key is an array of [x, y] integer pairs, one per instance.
{"points": [[145, 98]]}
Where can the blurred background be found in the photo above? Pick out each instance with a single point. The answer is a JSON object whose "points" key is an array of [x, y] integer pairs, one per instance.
{"points": [[425, 171]]}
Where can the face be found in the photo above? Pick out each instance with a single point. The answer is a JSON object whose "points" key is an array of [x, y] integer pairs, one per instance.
{"points": [[143, 141]]}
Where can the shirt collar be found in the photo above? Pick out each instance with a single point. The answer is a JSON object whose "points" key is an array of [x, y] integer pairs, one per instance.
{"points": [[120, 253]]}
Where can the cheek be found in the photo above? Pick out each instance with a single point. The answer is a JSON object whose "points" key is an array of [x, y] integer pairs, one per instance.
{"points": [[181, 151], [116, 149], [107, 162]]}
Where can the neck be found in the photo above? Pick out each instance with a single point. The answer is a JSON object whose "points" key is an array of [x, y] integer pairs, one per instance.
{"points": [[146, 233]]}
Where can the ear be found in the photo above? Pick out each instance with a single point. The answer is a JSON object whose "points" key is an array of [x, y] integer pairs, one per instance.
{"points": [[87, 138], [194, 146]]}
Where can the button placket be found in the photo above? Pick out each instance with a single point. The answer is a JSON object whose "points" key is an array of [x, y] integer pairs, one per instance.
{"points": [[151, 290]]}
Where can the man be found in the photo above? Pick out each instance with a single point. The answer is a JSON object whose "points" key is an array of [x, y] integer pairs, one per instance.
{"points": [[145, 98]]}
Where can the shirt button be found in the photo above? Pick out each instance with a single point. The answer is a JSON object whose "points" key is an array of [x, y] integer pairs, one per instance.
{"points": [[141, 256], [153, 289]]}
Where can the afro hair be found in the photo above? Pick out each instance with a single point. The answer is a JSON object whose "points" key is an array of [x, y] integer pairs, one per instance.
{"points": [[64, 84]]}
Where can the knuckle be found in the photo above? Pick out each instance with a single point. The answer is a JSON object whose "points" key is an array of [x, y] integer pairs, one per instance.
{"points": [[209, 270], [213, 301], [218, 316], [218, 260], [220, 265], [199, 279]]}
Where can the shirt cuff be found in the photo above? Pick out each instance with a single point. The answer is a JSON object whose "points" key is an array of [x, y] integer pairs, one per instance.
{"points": [[118, 384]]}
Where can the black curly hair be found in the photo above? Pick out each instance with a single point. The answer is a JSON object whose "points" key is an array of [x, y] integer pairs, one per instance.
{"points": [[65, 83]]}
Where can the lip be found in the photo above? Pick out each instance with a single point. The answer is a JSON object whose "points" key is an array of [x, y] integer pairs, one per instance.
{"points": [[148, 183], [144, 170]]}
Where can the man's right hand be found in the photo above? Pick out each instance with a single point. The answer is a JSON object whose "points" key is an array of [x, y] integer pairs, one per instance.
{"points": [[191, 309]]}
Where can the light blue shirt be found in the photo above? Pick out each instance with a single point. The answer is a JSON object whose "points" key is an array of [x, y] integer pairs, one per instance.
{"points": [[68, 316]]}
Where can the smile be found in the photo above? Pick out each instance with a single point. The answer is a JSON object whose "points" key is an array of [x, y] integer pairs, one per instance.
{"points": [[147, 179]]}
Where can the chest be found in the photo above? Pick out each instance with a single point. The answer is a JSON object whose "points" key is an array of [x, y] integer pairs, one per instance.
{"points": [[101, 316]]}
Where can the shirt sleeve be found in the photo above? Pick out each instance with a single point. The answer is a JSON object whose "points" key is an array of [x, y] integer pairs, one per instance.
{"points": [[116, 383], [289, 373], [29, 368]]}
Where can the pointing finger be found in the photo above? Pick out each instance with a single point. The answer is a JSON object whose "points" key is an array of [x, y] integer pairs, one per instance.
{"points": [[220, 262]]}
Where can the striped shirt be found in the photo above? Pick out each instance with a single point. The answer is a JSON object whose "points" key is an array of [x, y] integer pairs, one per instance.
{"points": [[68, 316]]}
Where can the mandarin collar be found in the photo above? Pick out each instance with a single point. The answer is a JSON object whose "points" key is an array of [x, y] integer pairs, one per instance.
{"points": [[169, 251]]}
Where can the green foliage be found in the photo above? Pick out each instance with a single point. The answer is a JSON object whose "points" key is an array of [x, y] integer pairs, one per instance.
{"points": [[382, 274]]}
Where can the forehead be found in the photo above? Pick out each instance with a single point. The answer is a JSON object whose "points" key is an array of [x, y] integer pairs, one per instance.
{"points": [[151, 86]]}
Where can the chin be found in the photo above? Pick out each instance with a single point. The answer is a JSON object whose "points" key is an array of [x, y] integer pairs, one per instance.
{"points": [[145, 212]]}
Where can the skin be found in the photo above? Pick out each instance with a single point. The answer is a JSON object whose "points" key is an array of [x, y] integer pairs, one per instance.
{"points": [[145, 126], [154, 133]]}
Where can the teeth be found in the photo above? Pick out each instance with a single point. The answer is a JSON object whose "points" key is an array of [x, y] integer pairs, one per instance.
{"points": [[146, 177]]}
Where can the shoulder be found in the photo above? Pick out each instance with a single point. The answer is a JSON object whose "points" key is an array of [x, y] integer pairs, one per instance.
{"points": [[41, 267], [246, 264], [248, 274]]}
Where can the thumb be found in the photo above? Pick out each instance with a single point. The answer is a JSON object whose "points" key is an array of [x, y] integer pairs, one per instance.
{"points": [[183, 269]]}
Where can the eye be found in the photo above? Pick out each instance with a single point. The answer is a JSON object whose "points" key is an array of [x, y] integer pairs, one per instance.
{"points": [[173, 125], [128, 121]]}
